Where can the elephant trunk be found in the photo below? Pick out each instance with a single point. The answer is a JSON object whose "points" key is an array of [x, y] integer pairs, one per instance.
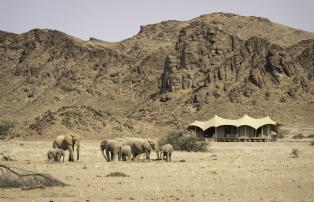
{"points": [[102, 149]]}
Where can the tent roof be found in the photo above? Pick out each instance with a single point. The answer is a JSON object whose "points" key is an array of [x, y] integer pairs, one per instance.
{"points": [[245, 120]]}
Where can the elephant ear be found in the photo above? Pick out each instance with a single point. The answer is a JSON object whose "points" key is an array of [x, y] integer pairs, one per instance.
{"points": [[146, 145], [75, 137], [68, 139]]}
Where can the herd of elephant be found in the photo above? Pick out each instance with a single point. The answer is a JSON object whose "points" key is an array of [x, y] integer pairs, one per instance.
{"points": [[123, 149]]}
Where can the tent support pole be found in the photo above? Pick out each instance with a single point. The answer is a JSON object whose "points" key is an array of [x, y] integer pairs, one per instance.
{"points": [[245, 131]]}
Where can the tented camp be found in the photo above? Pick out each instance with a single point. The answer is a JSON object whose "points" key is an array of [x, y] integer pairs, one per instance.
{"points": [[245, 128]]}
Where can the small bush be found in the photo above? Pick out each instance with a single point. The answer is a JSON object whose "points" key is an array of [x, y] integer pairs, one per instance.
{"points": [[5, 127], [312, 143], [117, 174], [310, 136], [280, 136], [295, 153], [185, 141], [298, 136]]}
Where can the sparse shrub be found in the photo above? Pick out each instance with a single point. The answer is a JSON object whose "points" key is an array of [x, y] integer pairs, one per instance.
{"points": [[298, 136], [280, 135], [11, 177], [295, 153], [312, 143], [310, 136], [185, 141], [117, 174], [5, 126]]}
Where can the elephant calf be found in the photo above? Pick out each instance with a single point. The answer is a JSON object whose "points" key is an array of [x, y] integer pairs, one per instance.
{"points": [[55, 155], [166, 152], [126, 153]]}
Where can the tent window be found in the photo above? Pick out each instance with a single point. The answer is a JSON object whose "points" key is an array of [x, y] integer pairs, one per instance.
{"points": [[209, 132], [230, 131]]}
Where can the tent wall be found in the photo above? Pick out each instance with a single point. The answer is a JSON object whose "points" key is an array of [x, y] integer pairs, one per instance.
{"points": [[266, 130], [246, 131], [220, 131]]}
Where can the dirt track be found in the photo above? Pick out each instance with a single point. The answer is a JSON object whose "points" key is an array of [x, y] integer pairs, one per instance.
{"points": [[228, 172]]}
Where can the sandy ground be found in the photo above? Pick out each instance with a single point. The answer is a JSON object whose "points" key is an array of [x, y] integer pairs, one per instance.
{"points": [[238, 171]]}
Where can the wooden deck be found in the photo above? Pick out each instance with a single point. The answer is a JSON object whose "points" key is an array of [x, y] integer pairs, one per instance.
{"points": [[242, 139]]}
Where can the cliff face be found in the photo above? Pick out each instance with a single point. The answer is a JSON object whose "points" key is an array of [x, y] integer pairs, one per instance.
{"points": [[167, 75], [213, 63]]}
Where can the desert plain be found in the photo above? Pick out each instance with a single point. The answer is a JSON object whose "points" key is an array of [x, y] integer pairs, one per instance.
{"points": [[235, 171]]}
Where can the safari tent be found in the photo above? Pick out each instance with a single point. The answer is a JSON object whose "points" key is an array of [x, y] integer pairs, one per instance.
{"points": [[245, 128]]}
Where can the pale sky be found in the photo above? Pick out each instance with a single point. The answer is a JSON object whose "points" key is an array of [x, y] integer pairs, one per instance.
{"points": [[115, 20]]}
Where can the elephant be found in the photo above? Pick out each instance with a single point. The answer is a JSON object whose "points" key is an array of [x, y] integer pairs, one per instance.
{"points": [[138, 147], [67, 142], [166, 152], [55, 155], [126, 153], [155, 147], [112, 149]]}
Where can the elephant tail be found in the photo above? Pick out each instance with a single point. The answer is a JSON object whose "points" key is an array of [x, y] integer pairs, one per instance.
{"points": [[55, 145]]}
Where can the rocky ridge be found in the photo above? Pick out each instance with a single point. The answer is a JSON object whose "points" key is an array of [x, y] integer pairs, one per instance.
{"points": [[166, 76]]}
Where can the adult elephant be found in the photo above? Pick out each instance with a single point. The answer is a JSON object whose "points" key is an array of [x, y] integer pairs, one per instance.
{"points": [[155, 147], [139, 146], [67, 142], [110, 149]]}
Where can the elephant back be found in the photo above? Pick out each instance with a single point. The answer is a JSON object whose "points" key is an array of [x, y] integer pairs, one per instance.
{"points": [[71, 138], [138, 145], [167, 148]]}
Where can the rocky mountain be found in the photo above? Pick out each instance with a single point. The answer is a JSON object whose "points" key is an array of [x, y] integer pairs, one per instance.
{"points": [[159, 80]]}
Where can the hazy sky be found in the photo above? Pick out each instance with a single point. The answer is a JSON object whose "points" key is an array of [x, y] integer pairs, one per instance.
{"points": [[115, 20]]}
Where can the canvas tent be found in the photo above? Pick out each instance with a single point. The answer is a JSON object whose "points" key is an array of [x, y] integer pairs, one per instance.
{"points": [[245, 127]]}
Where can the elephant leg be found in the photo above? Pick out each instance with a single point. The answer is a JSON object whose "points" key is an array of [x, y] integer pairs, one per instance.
{"points": [[49, 157], [58, 158], [135, 157], [167, 159], [71, 156], [108, 155], [119, 155], [163, 156], [114, 155], [170, 156], [158, 155], [148, 156], [129, 156]]}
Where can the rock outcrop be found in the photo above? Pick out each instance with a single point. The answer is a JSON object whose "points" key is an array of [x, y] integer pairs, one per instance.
{"points": [[210, 58]]}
